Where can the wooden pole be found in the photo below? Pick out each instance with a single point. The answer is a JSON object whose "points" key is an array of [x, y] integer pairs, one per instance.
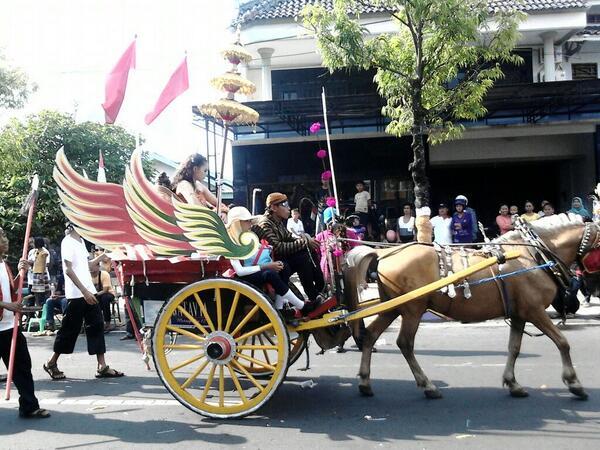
{"points": [[13, 345], [335, 194], [220, 179]]}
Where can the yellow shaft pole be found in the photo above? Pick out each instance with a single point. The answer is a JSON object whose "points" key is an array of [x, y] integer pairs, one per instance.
{"points": [[341, 316]]}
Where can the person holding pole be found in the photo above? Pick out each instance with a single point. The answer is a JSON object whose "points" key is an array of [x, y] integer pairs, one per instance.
{"points": [[82, 305], [29, 406]]}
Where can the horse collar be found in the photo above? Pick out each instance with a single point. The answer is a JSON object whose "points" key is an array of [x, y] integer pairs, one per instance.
{"points": [[587, 243]]}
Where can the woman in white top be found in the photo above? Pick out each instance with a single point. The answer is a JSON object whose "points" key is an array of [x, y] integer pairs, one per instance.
{"points": [[406, 224], [187, 183]]}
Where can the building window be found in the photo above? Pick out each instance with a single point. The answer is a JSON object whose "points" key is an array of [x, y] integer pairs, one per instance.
{"points": [[587, 71], [593, 19]]}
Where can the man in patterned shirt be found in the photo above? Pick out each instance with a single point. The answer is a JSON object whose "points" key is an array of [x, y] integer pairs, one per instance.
{"points": [[296, 253]]}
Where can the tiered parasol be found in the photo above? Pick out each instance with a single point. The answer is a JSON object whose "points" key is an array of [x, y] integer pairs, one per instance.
{"points": [[228, 110]]}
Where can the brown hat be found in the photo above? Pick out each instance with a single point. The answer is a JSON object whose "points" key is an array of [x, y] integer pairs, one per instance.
{"points": [[275, 197]]}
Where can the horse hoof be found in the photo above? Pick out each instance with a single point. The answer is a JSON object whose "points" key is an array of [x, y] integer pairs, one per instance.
{"points": [[365, 391], [519, 393], [432, 394], [579, 392]]}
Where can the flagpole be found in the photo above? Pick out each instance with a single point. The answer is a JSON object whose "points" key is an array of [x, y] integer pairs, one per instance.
{"points": [[22, 273], [335, 194]]}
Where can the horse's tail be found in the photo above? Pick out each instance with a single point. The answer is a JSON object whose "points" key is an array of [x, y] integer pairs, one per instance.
{"points": [[358, 261]]}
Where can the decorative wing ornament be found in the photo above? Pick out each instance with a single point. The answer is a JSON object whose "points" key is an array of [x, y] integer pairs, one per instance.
{"points": [[138, 213]]}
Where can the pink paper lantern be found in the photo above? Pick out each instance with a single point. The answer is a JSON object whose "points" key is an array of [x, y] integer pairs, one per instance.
{"points": [[322, 154], [330, 202], [326, 176], [315, 127]]}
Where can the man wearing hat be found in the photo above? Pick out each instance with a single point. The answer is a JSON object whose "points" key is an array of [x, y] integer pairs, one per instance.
{"points": [[297, 253], [470, 211]]}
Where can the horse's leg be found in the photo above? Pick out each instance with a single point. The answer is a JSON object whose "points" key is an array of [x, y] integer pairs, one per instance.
{"points": [[543, 322], [406, 341], [517, 326], [372, 333]]}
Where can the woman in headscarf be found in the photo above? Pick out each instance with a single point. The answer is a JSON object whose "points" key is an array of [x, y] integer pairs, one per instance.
{"points": [[578, 208]]}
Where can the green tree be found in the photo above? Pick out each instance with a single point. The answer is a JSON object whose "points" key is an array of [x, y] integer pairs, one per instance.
{"points": [[14, 86], [434, 70], [30, 147]]}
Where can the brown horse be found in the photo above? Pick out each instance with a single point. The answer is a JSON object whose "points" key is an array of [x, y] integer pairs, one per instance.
{"points": [[527, 295]]}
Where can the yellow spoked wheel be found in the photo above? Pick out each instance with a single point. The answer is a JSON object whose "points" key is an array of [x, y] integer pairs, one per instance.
{"points": [[259, 370], [206, 369]]}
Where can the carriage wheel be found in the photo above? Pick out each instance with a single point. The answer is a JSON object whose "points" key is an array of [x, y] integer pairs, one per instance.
{"points": [[215, 321], [297, 346]]}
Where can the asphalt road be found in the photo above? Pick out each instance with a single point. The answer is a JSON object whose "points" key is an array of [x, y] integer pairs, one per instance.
{"points": [[465, 361]]}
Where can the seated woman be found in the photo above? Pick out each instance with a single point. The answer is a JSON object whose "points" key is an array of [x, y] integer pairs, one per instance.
{"points": [[187, 183], [260, 268]]}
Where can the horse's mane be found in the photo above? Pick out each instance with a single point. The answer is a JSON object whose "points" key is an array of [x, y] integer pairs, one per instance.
{"points": [[545, 226]]}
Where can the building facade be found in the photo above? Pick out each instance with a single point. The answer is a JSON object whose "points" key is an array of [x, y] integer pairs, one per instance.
{"points": [[538, 141]]}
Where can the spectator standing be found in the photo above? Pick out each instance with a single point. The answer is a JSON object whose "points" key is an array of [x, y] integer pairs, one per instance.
{"points": [[29, 406], [362, 200], [548, 209], [441, 226], [40, 285], [294, 224], [504, 220], [104, 294], [578, 208], [530, 215], [462, 223], [406, 224], [82, 306], [473, 214], [541, 211]]}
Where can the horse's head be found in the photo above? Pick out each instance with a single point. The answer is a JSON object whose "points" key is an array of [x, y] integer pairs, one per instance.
{"points": [[574, 241]]}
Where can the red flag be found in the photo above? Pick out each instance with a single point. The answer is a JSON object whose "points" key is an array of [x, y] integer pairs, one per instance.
{"points": [[116, 84], [177, 85]]}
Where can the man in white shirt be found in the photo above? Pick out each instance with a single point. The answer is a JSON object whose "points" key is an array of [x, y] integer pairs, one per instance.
{"points": [[28, 404], [441, 226], [294, 224], [82, 305]]}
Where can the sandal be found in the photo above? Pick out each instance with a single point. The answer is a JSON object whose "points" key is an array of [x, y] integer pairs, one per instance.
{"points": [[107, 372], [37, 414], [52, 370]]}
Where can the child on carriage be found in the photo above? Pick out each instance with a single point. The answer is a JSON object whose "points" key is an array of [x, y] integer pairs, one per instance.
{"points": [[260, 268]]}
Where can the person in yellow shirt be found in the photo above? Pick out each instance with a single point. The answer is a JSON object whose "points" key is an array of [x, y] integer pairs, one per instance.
{"points": [[41, 279], [530, 215]]}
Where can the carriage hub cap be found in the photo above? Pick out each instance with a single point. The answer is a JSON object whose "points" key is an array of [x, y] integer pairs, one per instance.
{"points": [[219, 347]]}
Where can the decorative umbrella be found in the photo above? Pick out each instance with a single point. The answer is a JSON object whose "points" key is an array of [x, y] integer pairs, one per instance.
{"points": [[228, 110]]}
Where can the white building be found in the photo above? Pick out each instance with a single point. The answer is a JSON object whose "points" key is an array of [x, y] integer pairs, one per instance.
{"points": [[539, 140]]}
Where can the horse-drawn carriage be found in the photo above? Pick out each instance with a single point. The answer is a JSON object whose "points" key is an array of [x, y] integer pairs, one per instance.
{"points": [[218, 344]]}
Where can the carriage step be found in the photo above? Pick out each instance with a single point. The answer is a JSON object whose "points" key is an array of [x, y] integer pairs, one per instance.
{"points": [[328, 304]]}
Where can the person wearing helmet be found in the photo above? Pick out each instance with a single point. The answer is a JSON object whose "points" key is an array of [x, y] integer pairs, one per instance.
{"points": [[473, 215], [462, 223]]}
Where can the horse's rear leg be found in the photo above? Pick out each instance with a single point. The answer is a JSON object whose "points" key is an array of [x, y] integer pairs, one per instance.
{"points": [[406, 343], [517, 326], [543, 322], [372, 333]]}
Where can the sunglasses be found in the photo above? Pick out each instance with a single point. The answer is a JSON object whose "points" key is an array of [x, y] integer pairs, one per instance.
{"points": [[284, 204]]}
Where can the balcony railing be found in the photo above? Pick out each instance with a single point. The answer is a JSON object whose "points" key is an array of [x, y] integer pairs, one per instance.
{"points": [[507, 104]]}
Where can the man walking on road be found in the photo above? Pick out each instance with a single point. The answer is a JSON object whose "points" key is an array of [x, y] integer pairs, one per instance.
{"points": [[82, 306], [29, 406]]}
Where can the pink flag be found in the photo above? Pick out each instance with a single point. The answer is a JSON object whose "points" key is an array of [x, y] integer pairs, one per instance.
{"points": [[177, 85], [116, 84]]}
